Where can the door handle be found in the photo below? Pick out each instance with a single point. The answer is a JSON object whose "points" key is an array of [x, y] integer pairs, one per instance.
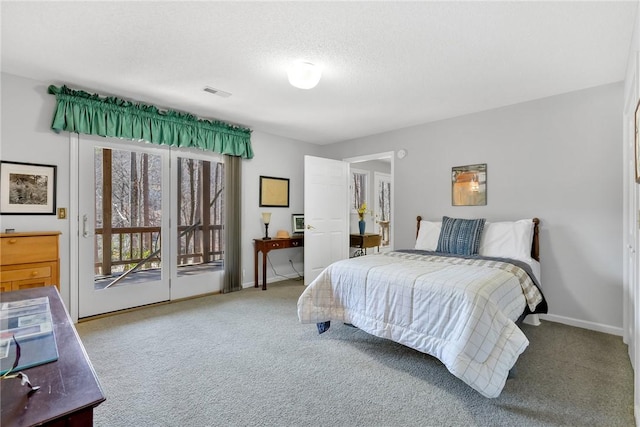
{"points": [[84, 225], [310, 227]]}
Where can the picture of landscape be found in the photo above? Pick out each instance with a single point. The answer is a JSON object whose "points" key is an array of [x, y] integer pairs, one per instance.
{"points": [[27, 188]]}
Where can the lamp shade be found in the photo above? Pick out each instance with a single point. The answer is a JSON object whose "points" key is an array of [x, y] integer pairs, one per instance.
{"points": [[304, 75], [266, 217]]}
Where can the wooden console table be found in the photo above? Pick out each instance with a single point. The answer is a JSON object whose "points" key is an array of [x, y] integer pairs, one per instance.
{"points": [[264, 246], [364, 241], [69, 387]]}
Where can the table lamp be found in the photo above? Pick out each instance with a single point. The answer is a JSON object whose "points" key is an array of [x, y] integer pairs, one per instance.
{"points": [[266, 218]]}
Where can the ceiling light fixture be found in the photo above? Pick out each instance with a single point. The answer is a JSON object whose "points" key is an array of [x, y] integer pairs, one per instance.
{"points": [[304, 75]]}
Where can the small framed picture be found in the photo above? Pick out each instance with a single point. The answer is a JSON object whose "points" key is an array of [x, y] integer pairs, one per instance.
{"points": [[27, 189], [297, 223]]}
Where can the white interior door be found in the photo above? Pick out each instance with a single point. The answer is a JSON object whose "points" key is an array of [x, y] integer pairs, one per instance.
{"points": [[115, 228], [326, 209]]}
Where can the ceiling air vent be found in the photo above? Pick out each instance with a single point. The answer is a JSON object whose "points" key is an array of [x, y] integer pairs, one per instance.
{"points": [[217, 92]]}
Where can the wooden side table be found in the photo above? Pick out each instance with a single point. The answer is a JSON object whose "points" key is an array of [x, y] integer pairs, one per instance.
{"points": [[264, 246], [364, 241]]}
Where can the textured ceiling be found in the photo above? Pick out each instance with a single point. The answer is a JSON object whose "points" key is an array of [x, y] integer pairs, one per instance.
{"points": [[387, 65]]}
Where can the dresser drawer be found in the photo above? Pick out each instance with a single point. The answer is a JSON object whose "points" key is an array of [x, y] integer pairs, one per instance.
{"points": [[276, 244], [35, 272], [283, 243], [296, 243], [21, 250]]}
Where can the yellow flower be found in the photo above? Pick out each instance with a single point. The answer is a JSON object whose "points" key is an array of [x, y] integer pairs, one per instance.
{"points": [[362, 210]]}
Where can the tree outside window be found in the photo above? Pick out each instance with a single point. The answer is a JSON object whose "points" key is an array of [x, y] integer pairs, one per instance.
{"points": [[360, 185]]}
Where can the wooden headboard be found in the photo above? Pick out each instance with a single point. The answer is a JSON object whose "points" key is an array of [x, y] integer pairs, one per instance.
{"points": [[535, 243]]}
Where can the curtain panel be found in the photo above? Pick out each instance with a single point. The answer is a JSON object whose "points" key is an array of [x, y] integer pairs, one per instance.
{"points": [[81, 112], [233, 225]]}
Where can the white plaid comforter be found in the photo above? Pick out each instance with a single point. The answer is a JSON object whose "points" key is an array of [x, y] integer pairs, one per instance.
{"points": [[461, 311]]}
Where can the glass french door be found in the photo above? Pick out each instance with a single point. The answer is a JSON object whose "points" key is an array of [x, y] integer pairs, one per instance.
{"points": [[150, 224], [197, 245]]}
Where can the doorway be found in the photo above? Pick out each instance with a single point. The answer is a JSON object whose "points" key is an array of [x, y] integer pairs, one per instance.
{"points": [[372, 182]]}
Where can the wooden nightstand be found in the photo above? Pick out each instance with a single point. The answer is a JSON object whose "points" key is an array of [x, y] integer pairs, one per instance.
{"points": [[269, 245]]}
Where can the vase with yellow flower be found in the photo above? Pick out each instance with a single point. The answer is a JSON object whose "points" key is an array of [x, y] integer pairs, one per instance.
{"points": [[362, 225]]}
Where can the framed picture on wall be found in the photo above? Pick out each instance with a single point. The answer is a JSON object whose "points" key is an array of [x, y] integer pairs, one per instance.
{"points": [[469, 185], [27, 189], [637, 142], [274, 192], [297, 221]]}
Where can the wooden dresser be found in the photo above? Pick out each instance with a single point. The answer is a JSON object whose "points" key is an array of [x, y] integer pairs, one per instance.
{"points": [[29, 260]]}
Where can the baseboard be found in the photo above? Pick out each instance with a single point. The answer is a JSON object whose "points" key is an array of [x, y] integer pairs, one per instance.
{"points": [[273, 280], [598, 327]]}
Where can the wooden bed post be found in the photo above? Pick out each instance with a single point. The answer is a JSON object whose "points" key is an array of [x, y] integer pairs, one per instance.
{"points": [[419, 218], [535, 244]]}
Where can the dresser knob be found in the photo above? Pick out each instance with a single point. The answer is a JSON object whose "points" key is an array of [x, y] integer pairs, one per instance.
{"points": [[34, 273], [13, 240]]}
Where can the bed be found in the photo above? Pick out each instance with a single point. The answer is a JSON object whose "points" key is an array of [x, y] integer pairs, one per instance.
{"points": [[458, 295]]}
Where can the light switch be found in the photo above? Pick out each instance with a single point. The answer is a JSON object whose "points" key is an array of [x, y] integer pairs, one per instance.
{"points": [[62, 213]]}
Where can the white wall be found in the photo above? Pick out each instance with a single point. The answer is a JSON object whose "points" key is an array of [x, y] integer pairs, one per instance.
{"points": [[556, 158], [630, 248], [27, 137]]}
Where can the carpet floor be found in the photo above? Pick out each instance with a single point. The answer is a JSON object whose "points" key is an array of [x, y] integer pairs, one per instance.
{"points": [[243, 359]]}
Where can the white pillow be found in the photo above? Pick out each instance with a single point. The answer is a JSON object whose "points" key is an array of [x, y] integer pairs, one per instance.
{"points": [[510, 239], [428, 235]]}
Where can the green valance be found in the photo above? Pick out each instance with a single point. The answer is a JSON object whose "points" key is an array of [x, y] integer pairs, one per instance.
{"points": [[82, 112]]}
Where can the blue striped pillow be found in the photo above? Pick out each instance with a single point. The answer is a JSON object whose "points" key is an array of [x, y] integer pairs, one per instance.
{"points": [[460, 236]]}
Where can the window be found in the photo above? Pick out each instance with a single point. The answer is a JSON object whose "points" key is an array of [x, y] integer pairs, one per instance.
{"points": [[360, 188]]}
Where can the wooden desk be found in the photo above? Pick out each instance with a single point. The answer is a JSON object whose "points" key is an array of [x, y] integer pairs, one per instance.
{"points": [[269, 245], [69, 387], [364, 241]]}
